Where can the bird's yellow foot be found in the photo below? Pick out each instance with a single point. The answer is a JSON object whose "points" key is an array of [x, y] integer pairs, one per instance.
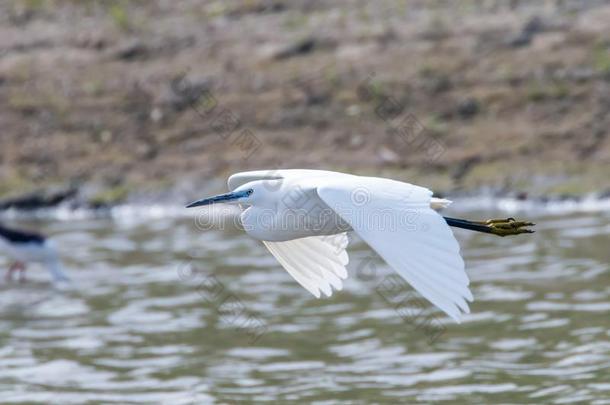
{"points": [[509, 226]]}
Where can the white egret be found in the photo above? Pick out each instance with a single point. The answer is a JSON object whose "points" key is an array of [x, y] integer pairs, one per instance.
{"points": [[28, 247], [302, 217]]}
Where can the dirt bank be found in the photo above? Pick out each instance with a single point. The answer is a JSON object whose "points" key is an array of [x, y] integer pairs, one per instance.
{"points": [[124, 98]]}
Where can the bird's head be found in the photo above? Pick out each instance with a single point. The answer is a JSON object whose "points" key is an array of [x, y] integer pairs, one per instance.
{"points": [[247, 194]]}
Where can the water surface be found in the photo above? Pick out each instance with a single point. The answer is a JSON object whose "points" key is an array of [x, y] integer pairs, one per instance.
{"points": [[162, 312]]}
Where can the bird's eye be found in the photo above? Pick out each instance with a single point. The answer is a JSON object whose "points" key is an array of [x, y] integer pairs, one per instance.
{"points": [[249, 192]]}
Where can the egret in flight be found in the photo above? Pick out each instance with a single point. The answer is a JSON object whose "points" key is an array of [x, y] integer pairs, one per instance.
{"points": [[28, 247], [303, 216]]}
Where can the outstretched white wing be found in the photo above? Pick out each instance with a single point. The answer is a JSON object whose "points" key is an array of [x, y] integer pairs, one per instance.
{"points": [[396, 220], [317, 262]]}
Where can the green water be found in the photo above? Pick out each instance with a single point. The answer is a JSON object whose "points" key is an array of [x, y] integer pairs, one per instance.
{"points": [[160, 312]]}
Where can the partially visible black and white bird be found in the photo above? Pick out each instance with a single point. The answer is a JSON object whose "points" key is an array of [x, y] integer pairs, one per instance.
{"points": [[26, 247]]}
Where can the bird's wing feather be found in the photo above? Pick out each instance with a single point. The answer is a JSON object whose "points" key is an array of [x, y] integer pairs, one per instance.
{"points": [[242, 178], [316, 262], [396, 220]]}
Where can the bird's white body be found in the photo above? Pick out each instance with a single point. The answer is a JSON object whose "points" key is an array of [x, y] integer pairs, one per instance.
{"points": [[296, 209], [30, 252], [302, 217], [44, 253]]}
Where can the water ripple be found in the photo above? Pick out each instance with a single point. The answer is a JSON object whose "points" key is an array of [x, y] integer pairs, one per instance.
{"points": [[132, 330]]}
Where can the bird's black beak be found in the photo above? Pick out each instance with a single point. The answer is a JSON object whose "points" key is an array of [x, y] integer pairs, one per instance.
{"points": [[228, 197]]}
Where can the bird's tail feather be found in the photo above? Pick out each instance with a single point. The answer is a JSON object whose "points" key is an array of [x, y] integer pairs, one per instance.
{"points": [[439, 203]]}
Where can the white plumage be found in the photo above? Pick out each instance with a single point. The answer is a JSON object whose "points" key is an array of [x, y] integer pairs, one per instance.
{"points": [[25, 247], [302, 217], [316, 262], [395, 219]]}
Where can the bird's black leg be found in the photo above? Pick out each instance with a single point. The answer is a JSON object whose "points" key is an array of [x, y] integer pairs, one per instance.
{"points": [[500, 227]]}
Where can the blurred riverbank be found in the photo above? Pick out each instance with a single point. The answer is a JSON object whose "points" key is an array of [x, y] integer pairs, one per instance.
{"points": [[104, 103]]}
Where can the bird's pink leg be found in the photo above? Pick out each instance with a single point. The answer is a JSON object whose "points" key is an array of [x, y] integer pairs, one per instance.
{"points": [[9, 273], [17, 266]]}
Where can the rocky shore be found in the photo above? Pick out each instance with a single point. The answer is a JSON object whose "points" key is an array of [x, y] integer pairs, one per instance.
{"points": [[105, 102]]}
